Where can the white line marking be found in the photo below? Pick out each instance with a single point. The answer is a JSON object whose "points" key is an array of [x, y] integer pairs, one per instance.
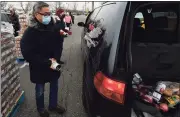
{"points": [[24, 65]]}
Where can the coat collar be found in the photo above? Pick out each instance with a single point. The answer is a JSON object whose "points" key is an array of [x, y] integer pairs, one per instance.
{"points": [[34, 23]]}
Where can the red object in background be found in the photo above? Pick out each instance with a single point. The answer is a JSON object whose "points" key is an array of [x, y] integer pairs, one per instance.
{"points": [[59, 11], [91, 27], [69, 32], [62, 32]]}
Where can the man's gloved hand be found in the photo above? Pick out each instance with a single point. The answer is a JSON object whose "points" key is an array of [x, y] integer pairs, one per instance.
{"points": [[54, 64], [68, 31], [63, 33]]}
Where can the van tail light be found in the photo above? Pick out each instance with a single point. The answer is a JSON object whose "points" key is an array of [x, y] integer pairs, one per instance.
{"points": [[111, 89]]}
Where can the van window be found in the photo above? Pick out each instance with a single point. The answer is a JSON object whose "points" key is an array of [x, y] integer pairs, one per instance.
{"points": [[170, 16], [140, 16], [165, 14], [162, 25], [155, 50], [108, 22], [92, 15]]}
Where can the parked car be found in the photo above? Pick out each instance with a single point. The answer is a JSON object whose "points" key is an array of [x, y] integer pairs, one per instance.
{"points": [[115, 46], [78, 13], [5, 16], [86, 13]]}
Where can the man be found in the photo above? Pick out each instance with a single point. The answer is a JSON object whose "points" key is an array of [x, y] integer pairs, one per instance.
{"points": [[68, 20], [15, 21], [72, 17], [39, 48], [60, 25]]}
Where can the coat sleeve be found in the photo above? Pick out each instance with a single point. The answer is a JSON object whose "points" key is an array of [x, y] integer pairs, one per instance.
{"points": [[59, 25], [16, 22], [58, 40], [56, 51], [29, 49]]}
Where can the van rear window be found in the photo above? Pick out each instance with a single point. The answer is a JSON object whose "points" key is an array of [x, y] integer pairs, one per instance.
{"points": [[159, 25], [164, 14]]}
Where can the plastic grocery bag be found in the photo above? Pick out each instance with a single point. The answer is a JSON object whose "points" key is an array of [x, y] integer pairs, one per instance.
{"points": [[67, 28], [7, 27], [172, 88]]}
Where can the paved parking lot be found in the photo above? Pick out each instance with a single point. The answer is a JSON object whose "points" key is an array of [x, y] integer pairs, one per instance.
{"points": [[70, 82]]}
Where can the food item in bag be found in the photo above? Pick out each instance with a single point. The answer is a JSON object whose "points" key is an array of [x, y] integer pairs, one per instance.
{"points": [[137, 79], [157, 94], [168, 92], [163, 107], [173, 101], [161, 87], [172, 88]]}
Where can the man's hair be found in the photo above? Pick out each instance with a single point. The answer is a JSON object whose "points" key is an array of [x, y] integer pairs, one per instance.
{"points": [[12, 9], [38, 6], [59, 11]]}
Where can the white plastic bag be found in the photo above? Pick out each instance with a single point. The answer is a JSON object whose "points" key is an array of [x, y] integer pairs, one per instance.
{"points": [[67, 28], [7, 27]]}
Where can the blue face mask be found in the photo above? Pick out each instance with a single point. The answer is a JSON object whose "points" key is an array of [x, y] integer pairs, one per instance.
{"points": [[46, 20]]}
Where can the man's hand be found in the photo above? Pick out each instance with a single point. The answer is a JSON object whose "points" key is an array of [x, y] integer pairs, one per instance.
{"points": [[63, 33], [54, 65], [52, 62]]}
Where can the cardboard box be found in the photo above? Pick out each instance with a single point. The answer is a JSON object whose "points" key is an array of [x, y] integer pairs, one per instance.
{"points": [[10, 81]]}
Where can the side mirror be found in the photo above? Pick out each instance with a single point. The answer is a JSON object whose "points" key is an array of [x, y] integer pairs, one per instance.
{"points": [[81, 24]]}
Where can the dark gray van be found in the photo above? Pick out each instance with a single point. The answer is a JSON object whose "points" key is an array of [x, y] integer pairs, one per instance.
{"points": [[116, 43]]}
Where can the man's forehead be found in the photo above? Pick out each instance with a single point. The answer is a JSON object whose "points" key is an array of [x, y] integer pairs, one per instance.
{"points": [[45, 9], [11, 9], [62, 13]]}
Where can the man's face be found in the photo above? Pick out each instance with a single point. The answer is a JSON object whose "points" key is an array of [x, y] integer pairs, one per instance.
{"points": [[62, 15], [12, 12], [43, 12]]}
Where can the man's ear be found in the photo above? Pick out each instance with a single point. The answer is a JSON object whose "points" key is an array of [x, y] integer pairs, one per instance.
{"points": [[35, 14]]}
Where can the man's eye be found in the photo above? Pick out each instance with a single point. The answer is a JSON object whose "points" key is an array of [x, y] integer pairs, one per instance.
{"points": [[47, 14]]}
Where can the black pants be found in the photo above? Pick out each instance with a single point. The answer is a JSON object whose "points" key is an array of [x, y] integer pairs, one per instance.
{"points": [[53, 95], [68, 24]]}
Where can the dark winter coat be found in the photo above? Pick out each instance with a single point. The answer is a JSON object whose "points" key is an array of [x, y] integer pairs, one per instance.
{"points": [[60, 25], [38, 45], [15, 21], [72, 18]]}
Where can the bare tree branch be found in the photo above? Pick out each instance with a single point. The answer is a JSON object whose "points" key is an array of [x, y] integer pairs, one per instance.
{"points": [[75, 6], [21, 3], [57, 5], [3, 5], [26, 7]]}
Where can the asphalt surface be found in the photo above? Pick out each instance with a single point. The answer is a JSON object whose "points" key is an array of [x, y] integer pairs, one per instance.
{"points": [[70, 82]]}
